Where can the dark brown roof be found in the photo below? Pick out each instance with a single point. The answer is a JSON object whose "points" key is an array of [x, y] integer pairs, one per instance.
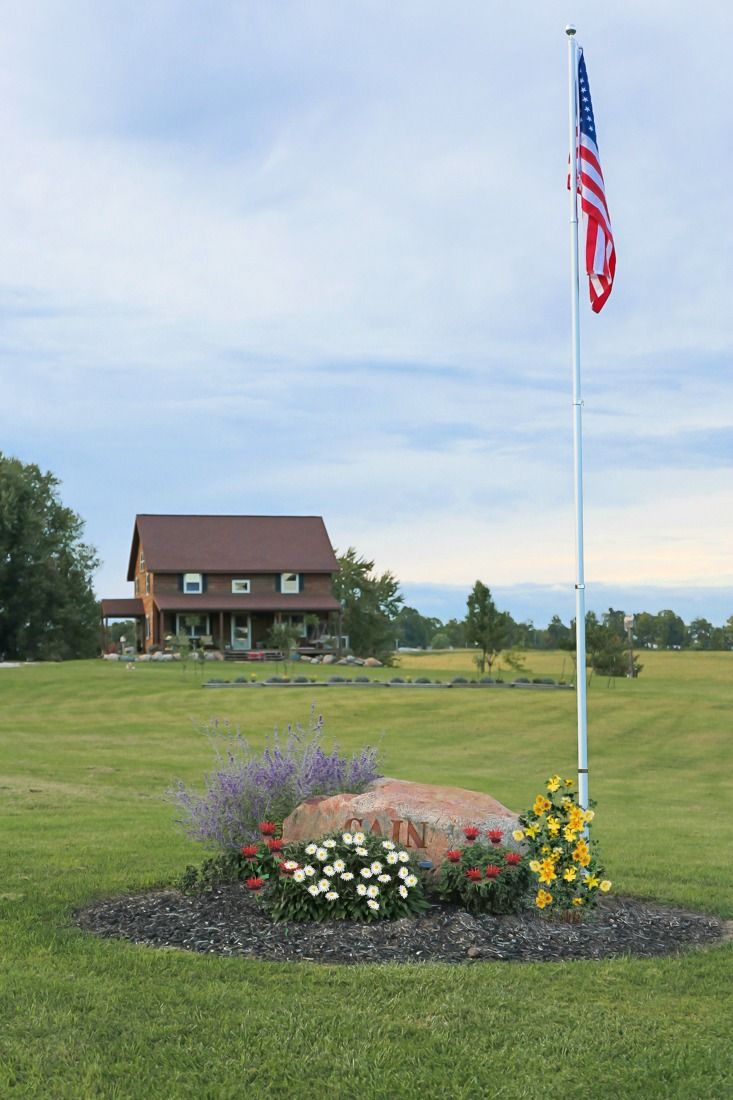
{"points": [[232, 544], [298, 602], [122, 609]]}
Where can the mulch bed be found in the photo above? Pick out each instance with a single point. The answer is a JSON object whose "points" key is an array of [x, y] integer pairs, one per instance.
{"points": [[231, 921]]}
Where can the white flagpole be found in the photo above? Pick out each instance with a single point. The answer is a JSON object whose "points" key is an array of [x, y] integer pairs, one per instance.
{"points": [[580, 681]]}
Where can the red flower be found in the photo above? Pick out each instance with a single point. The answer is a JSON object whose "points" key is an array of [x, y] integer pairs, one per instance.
{"points": [[513, 858], [454, 855], [495, 836], [474, 874], [274, 845], [287, 866], [249, 851], [492, 871], [254, 883], [267, 828], [470, 832]]}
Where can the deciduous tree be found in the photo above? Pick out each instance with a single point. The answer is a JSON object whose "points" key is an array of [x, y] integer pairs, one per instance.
{"points": [[47, 606]]}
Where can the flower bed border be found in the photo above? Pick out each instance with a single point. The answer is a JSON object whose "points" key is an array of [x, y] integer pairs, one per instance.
{"points": [[376, 684]]}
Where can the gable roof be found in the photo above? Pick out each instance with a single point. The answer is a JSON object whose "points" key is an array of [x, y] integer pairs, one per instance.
{"points": [[232, 544]]}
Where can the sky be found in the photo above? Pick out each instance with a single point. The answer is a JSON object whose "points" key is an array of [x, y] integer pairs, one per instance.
{"points": [[312, 258]]}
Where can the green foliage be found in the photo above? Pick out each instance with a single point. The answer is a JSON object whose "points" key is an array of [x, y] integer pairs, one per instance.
{"points": [[49, 611], [346, 876], [440, 640], [486, 626], [415, 630], [485, 878], [371, 603]]}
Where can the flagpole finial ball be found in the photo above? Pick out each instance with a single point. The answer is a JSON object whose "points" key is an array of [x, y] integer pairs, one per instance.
{"points": [[570, 30]]}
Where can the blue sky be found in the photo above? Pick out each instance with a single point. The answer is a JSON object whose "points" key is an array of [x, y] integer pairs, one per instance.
{"points": [[312, 258]]}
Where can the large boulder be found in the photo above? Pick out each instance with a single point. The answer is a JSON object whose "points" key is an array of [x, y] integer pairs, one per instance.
{"points": [[429, 819]]}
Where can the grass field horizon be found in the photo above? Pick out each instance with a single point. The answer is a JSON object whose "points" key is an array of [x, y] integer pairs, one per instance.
{"points": [[88, 751]]}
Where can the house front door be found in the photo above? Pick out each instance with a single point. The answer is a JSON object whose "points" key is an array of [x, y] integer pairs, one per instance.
{"points": [[241, 632]]}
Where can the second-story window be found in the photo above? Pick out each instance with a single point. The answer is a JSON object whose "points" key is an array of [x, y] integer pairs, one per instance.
{"points": [[193, 583], [240, 586], [290, 582], [147, 584]]}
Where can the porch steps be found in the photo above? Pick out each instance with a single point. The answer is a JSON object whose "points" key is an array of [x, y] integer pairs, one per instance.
{"points": [[253, 655]]}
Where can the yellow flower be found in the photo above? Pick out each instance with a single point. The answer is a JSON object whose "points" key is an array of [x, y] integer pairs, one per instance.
{"points": [[543, 898], [592, 882], [553, 783], [578, 901], [570, 874], [605, 886], [570, 783], [518, 834], [567, 803], [553, 826], [541, 805], [534, 865], [589, 815], [547, 871], [546, 849], [581, 853], [576, 819], [532, 831], [556, 854], [570, 834]]}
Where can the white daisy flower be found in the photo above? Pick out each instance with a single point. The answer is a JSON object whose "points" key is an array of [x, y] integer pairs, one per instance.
{"points": [[338, 866], [388, 845], [347, 838], [361, 889], [362, 852], [403, 891], [299, 876], [392, 857], [329, 870], [403, 872], [314, 891], [290, 865], [347, 876], [330, 843], [309, 871], [372, 891], [365, 872], [377, 867], [403, 857], [310, 850], [321, 854], [385, 878], [373, 904], [359, 838], [324, 885], [331, 895], [411, 880]]}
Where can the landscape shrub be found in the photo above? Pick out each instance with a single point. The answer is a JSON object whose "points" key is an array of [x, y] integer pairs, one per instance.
{"points": [[362, 680], [253, 864], [486, 680], [567, 873], [484, 876], [337, 680], [301, 680], [459, 680], [248, 787], [397, 680], [346, 876], [422, 680]]}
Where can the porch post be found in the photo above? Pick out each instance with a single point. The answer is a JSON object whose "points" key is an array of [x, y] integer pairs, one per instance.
{"points": [[221, 631]]}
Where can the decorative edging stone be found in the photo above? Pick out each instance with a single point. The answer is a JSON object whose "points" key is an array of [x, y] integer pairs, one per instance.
{"points": [[376, 684]]}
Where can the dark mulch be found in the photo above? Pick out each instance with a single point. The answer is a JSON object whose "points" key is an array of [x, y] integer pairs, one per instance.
{"points": [[231, 921]]}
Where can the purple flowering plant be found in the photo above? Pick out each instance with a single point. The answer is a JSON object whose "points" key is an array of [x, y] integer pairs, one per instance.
{"points": [[248, 786]]}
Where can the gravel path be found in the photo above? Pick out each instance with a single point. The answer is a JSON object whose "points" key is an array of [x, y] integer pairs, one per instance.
{"points": [[231, 921]]}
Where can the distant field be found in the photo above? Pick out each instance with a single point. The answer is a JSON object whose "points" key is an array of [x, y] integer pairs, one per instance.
{"points": [[87, 750]]}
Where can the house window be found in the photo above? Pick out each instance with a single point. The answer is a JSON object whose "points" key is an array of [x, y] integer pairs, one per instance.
{"points": [[147, 584], [142, 562], [192, 626], [193, 583], [297, 622], [137, 585], [240, 587], [290, 582]]}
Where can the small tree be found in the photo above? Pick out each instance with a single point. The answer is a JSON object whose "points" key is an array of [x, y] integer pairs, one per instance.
{"points": [[486, 626], [371, 603]]}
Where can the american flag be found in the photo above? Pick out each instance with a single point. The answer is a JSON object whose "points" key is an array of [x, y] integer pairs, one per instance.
{"points": [[600, 254]]}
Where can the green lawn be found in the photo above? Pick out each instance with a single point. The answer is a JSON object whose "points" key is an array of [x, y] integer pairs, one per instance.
{"points": [[86, 752]]}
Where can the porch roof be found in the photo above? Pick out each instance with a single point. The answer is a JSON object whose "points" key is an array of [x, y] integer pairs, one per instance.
{"points": [[299, 602], [123, 609]]}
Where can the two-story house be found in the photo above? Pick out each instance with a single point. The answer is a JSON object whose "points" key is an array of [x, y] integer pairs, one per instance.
{"points": [[228, 579]]}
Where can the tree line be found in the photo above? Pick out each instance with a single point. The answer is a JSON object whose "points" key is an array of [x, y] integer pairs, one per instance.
{"points": [[48, 609]]}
